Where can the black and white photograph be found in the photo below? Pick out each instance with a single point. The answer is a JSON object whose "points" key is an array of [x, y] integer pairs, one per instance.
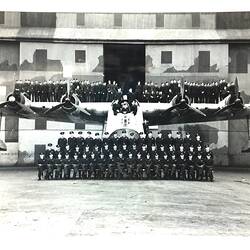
{"points": [[120, 123]]}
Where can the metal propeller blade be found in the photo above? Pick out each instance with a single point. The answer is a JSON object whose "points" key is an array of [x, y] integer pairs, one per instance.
{"points": [[235, 104], [25, 108], [54, 108], [197, 111], [181, 103], [81, 109]]}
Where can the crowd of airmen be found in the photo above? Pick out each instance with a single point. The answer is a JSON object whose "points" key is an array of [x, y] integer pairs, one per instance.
{"points": [[52, 91], [129, 158]]}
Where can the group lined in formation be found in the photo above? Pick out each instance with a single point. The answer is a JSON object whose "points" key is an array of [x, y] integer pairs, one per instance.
{"points": [[127, 157], [52, 91]]}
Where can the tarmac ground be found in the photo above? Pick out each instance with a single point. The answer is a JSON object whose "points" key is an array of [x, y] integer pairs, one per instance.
{"points": [[96, 207]]}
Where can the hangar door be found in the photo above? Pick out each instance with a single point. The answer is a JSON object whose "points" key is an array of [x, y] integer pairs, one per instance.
{"points": [[125, 64]]}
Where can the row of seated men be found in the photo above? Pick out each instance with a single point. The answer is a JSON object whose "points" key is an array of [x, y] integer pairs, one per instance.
{"points": [[128, 159], [52, 91]]}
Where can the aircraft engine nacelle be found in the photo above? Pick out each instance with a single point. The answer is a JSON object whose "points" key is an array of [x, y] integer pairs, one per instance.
{"points": [[14, 98], [69, 102]]}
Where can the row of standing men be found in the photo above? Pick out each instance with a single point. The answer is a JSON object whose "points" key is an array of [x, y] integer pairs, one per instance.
{"points": [[52, 91]]}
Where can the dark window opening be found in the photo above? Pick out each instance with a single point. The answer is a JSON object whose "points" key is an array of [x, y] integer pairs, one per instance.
{"points": [[80, 56], [195, 20], [125, 64], [166, 57], [40, 59], [118, 20], [11, 128], [80, 19], [241, 62], [233, 20], [238, 54], [79, 126], [40, 123], [1, 17], [160, 20], [204, 61], [38, 19]]}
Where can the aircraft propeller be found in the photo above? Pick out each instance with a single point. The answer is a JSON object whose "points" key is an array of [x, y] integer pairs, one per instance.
{"points": [[183, 103], [67, 104], [15, 101]]}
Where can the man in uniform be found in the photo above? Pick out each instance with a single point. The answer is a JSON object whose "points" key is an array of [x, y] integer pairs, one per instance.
{"points": [[178, 140], [49, 151], [123, 139], [181, 167], [143, 151], [84, 166], [59, 166], [157, 167], [50, 167], [150, 140], [76, 166], [199, 167], [67, 166], [101, 163], [187, 141], [41, 165], [80, 142], [169, 139], [106, 139], [97, 141], [208, 160], [190, 166], [141, 140], [165, 163], [198, 140], [109, 171], [159, 140], [62, 142], [173, 165], [89, 140], [147, 163], [139, 165], [130, 165], [114, 140], [92, 165], [72, 141]]}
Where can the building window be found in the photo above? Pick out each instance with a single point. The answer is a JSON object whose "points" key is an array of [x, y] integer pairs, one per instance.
{"points": [[204, 61], [159, 20], [118, 20], [80, 19], [195, 20], [166, 57], [40, 123], [241, 62], [11, 128], [1, 17], [80, 56], [40, 59], [38, 19]]}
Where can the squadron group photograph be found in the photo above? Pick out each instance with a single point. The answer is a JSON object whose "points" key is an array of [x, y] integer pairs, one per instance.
{"points": [[124, 123]]}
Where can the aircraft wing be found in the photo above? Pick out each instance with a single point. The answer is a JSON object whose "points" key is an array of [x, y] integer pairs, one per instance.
{"points": [[81, 113], [164, 114]]}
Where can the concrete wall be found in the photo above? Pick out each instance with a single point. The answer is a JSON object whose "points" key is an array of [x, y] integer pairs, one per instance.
{"points": [[63, 58], [185, 62]]}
